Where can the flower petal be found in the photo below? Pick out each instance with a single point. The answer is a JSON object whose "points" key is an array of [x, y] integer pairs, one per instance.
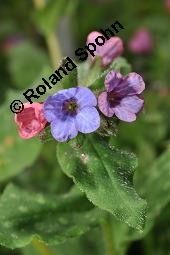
{"points": [[131, 85], [88, 120], [112, 80], [92, 36], [53, 107], [65, 130], [91, 39], [104, 105], [128, 108], [110, 50], [85, 97], [68, 93]]}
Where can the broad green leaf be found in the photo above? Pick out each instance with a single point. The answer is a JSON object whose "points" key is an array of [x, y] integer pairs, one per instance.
{"points": [[156, 190], [25, 63], [51, 219], [105, 174], [15, 153]]}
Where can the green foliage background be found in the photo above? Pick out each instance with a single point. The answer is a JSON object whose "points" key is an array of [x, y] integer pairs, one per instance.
{"points": [[98, 194]]}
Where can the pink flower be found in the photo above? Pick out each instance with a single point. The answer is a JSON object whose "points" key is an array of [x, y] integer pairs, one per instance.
{"points": [[31, 120], [141, 42], [111, 49], [167, 5], [121, 97]]}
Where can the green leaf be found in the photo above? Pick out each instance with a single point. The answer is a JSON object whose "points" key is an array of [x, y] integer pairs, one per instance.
{"points": [[156, 190], [105, 174], [15, 153], [25, 64], [52, 219]]}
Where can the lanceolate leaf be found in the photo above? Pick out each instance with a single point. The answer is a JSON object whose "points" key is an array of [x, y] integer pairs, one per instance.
{"points": [[25, 215], [105, 174]]}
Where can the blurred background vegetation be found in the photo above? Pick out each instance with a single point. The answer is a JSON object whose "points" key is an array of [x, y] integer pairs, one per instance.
{"points": [[31, 34]]}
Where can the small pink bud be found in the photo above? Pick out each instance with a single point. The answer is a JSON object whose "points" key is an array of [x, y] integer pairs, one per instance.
{"points": [[110, 50]]}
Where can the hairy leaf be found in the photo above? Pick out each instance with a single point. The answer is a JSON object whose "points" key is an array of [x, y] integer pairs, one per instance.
{"points": [[52, 219], [156, 190], [105, 174]]}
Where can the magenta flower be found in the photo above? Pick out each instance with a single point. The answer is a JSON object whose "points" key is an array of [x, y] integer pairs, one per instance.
{"points": [[141, 42], [109, 51], [122, 96], [71, 111]]}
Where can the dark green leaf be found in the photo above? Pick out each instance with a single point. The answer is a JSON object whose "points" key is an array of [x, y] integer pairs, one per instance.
{"points": [[105, 174], [52, 219]]}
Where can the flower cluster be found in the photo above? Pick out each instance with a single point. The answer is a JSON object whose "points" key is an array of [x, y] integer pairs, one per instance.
{"points": [[78, 109]]}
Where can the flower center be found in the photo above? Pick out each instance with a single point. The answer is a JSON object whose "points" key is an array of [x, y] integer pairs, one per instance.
{"points": [[70, 106], [113, 99]]}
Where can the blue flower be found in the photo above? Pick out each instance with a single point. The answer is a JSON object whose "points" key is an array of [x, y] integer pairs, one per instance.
{"points": [[71, 111]]}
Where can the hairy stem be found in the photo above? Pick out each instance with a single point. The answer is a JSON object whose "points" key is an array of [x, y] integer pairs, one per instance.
{"points": [[51, 39], [41, 247], [108, 236]]}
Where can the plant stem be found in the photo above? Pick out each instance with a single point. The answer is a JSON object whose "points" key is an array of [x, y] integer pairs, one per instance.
{"points": [[108, 236], [51, 39], [41, 247], [53, 48]]}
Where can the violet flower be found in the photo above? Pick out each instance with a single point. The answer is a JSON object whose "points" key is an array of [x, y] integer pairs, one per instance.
{"points": [[121, 97], [71, 111], [141, 42], [109, 51]]}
